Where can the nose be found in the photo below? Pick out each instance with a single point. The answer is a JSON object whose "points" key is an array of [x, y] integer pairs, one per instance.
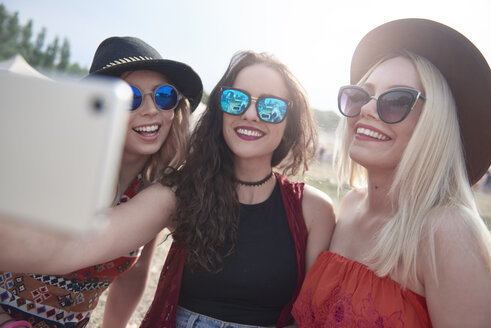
{"points": [[148, 106], [370, 108], [251, 113]]}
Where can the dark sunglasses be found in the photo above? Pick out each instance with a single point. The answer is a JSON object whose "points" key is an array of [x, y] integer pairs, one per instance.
{"points": [[269, 109], [165, 97], [393, 105]]}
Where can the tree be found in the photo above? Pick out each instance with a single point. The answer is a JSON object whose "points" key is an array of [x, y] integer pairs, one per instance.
{"points": [[37, 59], [326, 120], [15, 39], [4, 16], [25, 46], [9, 32], [76, 70], [64, 55], [51, 54]]}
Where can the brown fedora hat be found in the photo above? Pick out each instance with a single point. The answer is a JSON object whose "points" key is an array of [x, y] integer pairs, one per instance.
{"points": [[460, 62], [117, 55]]}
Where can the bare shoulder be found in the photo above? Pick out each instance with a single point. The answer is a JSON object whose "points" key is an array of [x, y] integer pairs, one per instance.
{"points": [[317, 205], [454, 234], [315, 195], [318, 213], [455, 230], [458, 283]]}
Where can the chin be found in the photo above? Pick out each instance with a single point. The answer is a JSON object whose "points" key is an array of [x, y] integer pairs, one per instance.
{"points": [[360, 156], [149, 151]]}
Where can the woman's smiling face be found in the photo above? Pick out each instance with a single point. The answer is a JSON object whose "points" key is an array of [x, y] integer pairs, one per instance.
{"points": [[376, 144], [148, 126], [246, 135]]}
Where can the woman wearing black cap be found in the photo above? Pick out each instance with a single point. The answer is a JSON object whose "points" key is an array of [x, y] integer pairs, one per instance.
{"points": [[409, 248], [165, 92]]}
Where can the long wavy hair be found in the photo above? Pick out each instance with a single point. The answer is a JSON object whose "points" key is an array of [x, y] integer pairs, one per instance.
{"points": [[207, 203], [172, 153], [430, 176]]}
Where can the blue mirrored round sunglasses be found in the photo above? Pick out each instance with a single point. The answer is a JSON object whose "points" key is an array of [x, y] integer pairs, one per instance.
{"points": [[165, 97], [269, 109]]}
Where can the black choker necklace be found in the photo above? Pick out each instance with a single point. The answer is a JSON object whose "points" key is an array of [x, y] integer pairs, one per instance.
{"points": [[256, 183]]}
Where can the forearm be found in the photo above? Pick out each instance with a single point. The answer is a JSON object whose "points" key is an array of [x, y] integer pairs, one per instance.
{"points": [[126, 291], [120, 305], [34, 249]]}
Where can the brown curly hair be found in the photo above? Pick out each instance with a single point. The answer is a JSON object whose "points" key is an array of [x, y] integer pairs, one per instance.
{"points": [[207, 203]]}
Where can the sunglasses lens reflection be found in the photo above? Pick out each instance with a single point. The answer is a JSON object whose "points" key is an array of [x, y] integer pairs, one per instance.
{"points": [[234, 101], [392, 106], [166, 97], [395, 105], [351, 100], [137, 98], [272, 110]]}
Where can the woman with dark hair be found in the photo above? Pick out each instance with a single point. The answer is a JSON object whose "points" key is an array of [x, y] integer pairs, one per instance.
{"points": [[244, 236]]}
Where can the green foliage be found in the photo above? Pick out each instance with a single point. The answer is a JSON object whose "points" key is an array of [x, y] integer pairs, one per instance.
{"points": [[48, 57], [9, 31], [327, 120], [64, 62]]}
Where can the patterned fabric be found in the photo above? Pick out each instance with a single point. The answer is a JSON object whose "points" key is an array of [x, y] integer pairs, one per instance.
{"points": [[66, 300], [340, 292], [162, 312]]}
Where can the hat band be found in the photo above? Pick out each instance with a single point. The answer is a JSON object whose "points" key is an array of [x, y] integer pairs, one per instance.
{"points": [[127, 60]]}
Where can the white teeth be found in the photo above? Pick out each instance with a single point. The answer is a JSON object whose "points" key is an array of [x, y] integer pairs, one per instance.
{"points": [[252, 133], [148, 128], [371, 133]]}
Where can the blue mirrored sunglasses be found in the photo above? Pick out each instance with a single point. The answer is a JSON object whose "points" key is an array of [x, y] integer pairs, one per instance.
{"points": [[165, 97], [269, 109]]}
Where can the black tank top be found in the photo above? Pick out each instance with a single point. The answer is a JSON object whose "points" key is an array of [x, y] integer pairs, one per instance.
{"points": [[258, 279]]}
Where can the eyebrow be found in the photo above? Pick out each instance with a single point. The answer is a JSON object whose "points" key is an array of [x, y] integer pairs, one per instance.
{"points": [[369, 87]]}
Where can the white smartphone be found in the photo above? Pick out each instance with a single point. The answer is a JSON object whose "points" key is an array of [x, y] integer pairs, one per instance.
{"points": [[60, 149]]}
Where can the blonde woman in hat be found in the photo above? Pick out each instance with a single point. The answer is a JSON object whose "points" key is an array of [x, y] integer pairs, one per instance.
{"points": [[165, 92], [409, 248], [244, 235]]}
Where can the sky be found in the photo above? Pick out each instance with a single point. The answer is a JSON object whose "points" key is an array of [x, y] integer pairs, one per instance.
{"points": [[314, 38]]}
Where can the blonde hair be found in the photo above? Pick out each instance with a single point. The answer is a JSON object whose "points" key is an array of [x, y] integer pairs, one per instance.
{"points": [[172, 153], [430, 175]]}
